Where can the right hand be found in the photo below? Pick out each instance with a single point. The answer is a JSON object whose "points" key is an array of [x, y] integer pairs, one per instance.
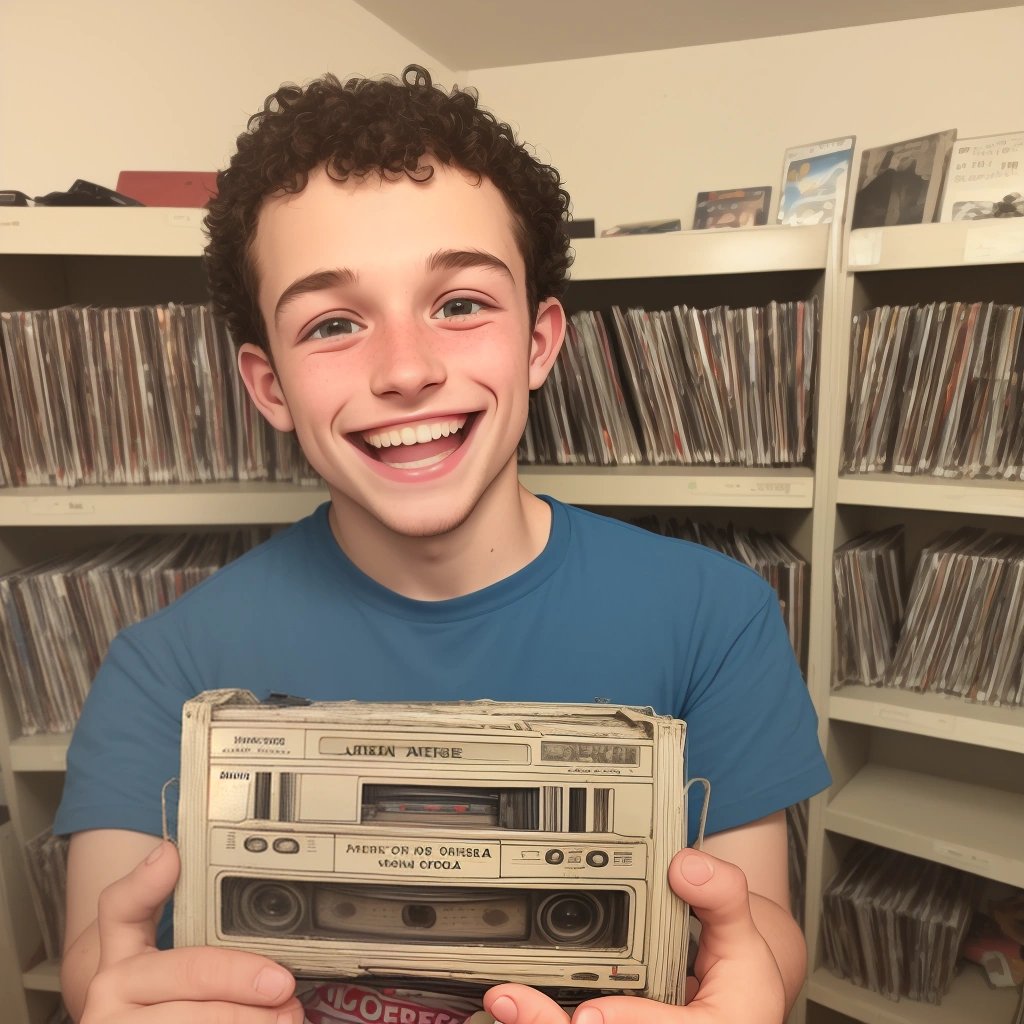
{"points": [[739, 979], [136, 982]]}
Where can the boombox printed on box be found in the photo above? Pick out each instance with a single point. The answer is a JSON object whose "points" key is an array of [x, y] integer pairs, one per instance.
{"points": [[474, 842]]}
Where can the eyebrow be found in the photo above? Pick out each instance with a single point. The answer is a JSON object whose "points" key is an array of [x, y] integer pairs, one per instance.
{"points": [[319, 281], [460, 259], [443, 259]]}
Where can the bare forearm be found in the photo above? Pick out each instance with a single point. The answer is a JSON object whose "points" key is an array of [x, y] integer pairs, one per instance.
{"points": [[78, 968], [784, 938]]}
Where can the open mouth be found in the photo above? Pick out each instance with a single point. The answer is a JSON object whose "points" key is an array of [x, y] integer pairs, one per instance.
{"points": [[417, 445]]}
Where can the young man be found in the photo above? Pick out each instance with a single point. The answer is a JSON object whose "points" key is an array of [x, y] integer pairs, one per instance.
{"points": [[389, 259]]}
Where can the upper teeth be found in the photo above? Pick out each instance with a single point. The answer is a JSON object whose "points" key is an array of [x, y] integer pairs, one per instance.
{"points": [[415, 433]]}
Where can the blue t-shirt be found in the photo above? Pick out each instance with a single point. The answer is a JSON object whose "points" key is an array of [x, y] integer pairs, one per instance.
{"points": [[607, 611]]}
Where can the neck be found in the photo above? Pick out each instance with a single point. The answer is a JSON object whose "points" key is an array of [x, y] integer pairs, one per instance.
{"points": [[506, 530]]}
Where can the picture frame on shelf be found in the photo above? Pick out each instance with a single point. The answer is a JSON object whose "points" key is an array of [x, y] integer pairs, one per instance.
{"points": [[986, 179], [733, 208], [815, 181], [901, 182]]}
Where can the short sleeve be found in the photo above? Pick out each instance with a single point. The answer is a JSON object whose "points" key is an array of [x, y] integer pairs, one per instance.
{"points": [[125, 746], [751, 727]]}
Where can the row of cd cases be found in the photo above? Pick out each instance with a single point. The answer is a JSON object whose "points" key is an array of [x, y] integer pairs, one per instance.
{"points": [[959, 631], [937, 388], [150, 395], [141, 395], [905, 928], [682, 386]]}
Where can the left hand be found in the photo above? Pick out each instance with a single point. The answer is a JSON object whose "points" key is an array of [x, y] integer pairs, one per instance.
{"points": [[737, 978]]}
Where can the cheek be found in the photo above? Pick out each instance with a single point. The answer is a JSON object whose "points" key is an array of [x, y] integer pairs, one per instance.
{"points": [[500, 364], [320, 383]]}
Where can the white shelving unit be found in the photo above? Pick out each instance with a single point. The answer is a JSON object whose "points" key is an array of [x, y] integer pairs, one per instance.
{"points": [[98, 231], [674, 486], [251, 503], [970, 998], [977, 828], [929, 775], [50, 257], [930, 714], [932, 776], [39, 753], [979, 497]]}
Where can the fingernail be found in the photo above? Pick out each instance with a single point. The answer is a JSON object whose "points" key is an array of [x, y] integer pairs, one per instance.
{"points": [[505, 1010], [156, 854], [288, 1017], [271, 982], [696, 869], [588, 1015]]}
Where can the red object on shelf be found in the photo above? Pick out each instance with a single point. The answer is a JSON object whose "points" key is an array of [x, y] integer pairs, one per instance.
{"points": [[168, 188]]}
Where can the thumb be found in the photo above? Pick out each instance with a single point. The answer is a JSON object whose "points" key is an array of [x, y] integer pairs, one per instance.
{"points": [[129, 908], [717, 893]]}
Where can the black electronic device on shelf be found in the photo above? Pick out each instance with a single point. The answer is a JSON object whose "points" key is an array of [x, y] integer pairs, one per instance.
{"points": [[86, 193]]}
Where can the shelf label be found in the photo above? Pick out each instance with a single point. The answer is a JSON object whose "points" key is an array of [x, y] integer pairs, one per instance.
{"points": [[865, 247], [969, 860], [185, 218], [711, 487], [60, 507], [773, 487], [986, 245]]}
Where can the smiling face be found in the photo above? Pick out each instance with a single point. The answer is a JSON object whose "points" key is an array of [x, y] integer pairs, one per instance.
{"points": [[403, 350]]}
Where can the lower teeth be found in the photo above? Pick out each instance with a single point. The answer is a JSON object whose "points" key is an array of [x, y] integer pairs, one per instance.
{"points": [[420, 463]]}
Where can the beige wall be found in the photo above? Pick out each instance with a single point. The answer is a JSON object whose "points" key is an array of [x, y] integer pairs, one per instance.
{"points": [[636, 136], [92, 87], [88, 89]]}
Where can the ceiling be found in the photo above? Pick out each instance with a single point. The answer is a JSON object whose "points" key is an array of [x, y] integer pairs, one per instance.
{"points": [[465, 35]]}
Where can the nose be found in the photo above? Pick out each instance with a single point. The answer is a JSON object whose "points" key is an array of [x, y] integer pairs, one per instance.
{"points": [[406, 361]]}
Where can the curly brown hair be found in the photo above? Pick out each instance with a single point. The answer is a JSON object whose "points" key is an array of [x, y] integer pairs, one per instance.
{"points": [[374, 125]]}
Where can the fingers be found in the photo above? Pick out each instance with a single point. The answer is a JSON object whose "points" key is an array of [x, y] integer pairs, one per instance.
{"points": [[197, 973], [717, 893], [197, 984], [519, 1004], [129, 907], [733, 962], [627, 1010]]}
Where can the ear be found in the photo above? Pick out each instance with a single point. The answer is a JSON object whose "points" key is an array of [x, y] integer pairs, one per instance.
{"points": [[260, 379], [546, 340]]}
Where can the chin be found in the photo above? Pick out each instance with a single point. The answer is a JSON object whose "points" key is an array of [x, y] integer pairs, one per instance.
{"points": [[424, 525], [413, 518]]}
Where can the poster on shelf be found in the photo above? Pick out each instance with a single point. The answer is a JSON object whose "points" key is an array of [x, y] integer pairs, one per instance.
{"points": [[986, 179], [901, 183], [733, 208], [815, 178]]}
